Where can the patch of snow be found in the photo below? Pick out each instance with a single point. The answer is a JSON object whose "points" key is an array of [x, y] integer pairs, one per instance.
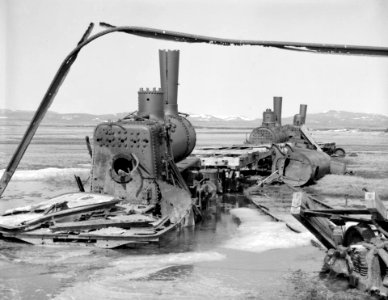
{"points": [[258, 233]]}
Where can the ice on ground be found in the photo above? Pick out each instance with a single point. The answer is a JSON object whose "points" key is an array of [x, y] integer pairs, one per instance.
{"points": [[48, 173], [145, 276], [258, 233], [15, 220]]}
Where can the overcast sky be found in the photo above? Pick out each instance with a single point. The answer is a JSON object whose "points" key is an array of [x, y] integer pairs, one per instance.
{"points": [[35, 36]]}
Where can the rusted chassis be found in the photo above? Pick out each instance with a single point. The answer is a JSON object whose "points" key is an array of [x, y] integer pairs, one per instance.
{"points": [[358, 252]]}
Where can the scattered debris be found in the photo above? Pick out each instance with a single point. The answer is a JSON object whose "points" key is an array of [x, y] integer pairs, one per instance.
{"points": [[356, 240]]}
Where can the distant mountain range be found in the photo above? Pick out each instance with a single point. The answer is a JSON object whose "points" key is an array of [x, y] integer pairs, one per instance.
{"points": [[327, 120], [330, 120]]}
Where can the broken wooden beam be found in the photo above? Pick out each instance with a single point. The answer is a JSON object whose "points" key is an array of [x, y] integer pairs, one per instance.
{"points": [[344, 211], [99, 223], [266, 211], [375, 206], [72, 211], [328, 215], [320, 227]]}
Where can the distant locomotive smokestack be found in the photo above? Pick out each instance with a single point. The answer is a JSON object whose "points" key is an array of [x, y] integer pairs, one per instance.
{"points": [[169, 72], [151, 104], [277, 108], [303, 113]]}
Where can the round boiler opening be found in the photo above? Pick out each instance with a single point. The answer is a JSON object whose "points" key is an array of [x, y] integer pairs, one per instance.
{"points": [[123, 164], [121, 168]]}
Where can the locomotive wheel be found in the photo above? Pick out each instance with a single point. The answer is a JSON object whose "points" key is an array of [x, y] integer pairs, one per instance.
{"points": [[358, 233], [339, 152]]}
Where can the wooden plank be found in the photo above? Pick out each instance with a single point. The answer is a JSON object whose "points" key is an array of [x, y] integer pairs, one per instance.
{"points": [[309, 138], [319, 202], [72, 211], [97, 241], [329, 215], [266, 211], [321, 228], [297, 200], [344, 211], [144, 236], [375, 206], [99, 223]]}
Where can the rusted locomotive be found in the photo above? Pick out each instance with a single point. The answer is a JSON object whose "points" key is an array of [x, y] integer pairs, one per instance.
{"points": [[272, 131], [303, 160], [137, 193]]}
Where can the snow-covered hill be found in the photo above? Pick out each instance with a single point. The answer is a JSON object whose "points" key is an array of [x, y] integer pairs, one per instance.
{"points": [[330, 119]]}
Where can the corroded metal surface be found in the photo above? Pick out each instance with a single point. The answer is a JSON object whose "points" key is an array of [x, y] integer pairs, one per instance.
{"points": [[267, 135], [235, 157], [183, 136], [169, 76], [303, 113], [277, 109], [269, 118], [299, 166], [127, 159], [150, 103], [182, 133]]}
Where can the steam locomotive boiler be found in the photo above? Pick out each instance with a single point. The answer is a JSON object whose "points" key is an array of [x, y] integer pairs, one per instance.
{"points": [[271, 130], [129, 154], [133, 156]]}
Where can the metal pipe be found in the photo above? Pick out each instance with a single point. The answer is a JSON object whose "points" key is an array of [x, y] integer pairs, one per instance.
{"points": [[303, 113], [277, 109], [169, 73]]}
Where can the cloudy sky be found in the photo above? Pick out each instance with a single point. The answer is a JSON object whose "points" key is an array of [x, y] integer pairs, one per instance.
{"points": [[35, 36]]}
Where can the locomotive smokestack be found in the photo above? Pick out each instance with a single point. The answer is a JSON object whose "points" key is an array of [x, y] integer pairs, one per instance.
{"points": [[151, 104], [169, 71], [303, 113], [277, 109]]}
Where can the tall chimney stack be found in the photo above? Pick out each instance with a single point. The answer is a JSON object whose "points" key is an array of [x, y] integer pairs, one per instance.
{"points": [[169, 72], [303, 113], [277, 109]]}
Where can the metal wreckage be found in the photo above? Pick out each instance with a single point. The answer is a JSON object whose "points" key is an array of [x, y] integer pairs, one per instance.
{"points": [[146, 180]]}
